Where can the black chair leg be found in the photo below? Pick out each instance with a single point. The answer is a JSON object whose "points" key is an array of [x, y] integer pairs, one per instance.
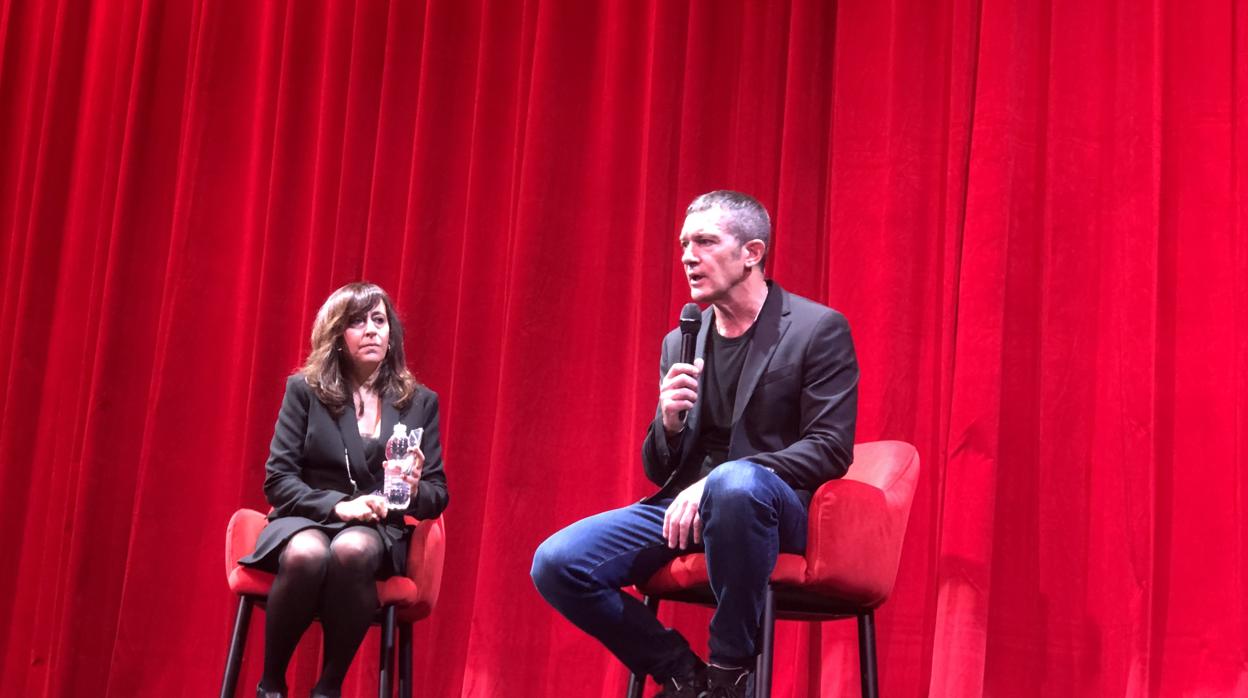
{"points": [[637, 682], [385, 672], [238, 641], [866, 655], [405, 660], [762, 671]]}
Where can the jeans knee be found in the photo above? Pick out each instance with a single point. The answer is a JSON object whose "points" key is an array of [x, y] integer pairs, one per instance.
{"points": [[734, 483], [547, 565], [553, 562]]}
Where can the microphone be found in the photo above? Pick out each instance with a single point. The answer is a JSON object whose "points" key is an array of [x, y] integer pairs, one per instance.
{"points": [[690, 324]]}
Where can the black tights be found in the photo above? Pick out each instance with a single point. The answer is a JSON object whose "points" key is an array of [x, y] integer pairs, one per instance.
{"points": [[333, 579]]}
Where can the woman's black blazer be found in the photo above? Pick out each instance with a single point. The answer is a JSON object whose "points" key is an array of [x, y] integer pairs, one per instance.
{"points": [[317, 460]]}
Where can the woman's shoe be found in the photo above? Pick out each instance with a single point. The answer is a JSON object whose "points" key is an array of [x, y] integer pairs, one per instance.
{"points": [[261, 693]]}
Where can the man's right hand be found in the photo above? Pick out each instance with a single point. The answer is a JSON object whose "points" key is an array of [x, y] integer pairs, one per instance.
{"points": [[677, 393]]}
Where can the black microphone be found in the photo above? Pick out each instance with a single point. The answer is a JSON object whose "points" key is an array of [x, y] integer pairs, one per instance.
{"points": [[690, 324]]}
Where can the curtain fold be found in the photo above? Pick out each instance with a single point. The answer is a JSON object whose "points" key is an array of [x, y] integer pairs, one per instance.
{"points": [[1032, 213]]}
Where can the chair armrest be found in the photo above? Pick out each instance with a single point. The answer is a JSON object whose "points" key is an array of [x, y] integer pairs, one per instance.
{"points": [[426, 553], [241, 534], [853, 543]]}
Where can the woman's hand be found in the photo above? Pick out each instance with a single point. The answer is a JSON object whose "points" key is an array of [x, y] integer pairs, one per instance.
{"points": [[418, 465], [369, 508]]}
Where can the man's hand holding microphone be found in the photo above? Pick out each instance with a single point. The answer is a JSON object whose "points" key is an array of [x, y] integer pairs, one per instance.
{"points": [[678, 391]]}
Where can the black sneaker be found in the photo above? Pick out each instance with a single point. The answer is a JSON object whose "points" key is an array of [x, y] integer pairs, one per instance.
{"points": [[319, 691], [691, 685], [728, 683]]}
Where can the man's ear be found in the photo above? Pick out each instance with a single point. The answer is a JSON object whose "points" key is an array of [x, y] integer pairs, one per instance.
{"points": [[753, 251]]}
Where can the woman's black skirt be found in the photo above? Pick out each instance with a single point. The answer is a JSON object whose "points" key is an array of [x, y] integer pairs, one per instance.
{"points": [[274, 536]]}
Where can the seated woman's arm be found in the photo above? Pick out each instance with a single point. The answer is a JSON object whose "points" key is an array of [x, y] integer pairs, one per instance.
{"points": [[430, 497], [283, 482]]}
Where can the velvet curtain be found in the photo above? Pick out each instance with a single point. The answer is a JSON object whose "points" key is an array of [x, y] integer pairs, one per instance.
{"points": [[1032, 212]]}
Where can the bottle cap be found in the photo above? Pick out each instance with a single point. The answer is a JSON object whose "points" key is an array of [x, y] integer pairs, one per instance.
{"points": [[400, 430]]}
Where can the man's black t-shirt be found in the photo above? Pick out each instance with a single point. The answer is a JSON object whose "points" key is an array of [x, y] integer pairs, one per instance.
{"points": [[724, 358]]}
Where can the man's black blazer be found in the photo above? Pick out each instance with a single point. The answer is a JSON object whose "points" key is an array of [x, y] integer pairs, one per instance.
{"points": [[796, 403]]}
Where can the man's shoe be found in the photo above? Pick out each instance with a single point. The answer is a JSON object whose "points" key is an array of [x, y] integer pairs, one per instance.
{"points": [[727, 683], [691, 685], [320, 691]]}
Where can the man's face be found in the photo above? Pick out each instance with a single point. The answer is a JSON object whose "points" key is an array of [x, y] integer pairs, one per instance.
{"points": [[712, 257]]}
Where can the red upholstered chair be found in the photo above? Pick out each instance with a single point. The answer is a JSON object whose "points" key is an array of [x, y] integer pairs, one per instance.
{"points": [[853, 546], [404, 600]]}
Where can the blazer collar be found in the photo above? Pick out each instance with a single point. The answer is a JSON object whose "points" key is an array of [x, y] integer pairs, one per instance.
{"points": [[772, 323]]}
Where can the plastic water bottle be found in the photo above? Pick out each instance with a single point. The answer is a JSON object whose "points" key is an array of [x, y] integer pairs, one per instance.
{"points": [[400, 456]]}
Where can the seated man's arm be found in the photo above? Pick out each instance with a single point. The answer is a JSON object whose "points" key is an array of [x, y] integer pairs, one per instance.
{"points": [[659, 450], [828, 409]]}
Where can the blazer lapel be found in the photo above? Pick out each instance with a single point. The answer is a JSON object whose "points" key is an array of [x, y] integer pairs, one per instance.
{"points": [[354, 445], [773, 322], [389, 417]]}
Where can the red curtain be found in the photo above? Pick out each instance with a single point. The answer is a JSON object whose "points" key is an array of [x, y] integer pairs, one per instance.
{"points": [[1033, 214]]}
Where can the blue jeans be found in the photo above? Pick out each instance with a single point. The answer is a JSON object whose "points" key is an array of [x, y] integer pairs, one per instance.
{"points": [[749, 515]]}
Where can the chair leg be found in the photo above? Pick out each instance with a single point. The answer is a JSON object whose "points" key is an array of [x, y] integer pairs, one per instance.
{"points": [[866, 655], [385, 671], [637, 682], [762, 672], [405, 660], [238, 641]]}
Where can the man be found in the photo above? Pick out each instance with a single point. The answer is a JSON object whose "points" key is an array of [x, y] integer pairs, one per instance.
{"points": [[741, 439]]}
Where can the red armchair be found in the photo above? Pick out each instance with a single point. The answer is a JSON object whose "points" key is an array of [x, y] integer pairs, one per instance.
{"points": [[404, 600], [853, 547]]}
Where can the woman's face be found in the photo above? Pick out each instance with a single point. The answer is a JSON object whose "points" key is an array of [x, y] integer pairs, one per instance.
{"points": [[367, 338]]}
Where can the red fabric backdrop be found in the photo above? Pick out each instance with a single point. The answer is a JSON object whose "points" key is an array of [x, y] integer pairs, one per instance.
{"points": [[1033, 214]]}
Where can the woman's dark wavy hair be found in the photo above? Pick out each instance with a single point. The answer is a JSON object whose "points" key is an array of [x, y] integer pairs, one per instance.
{"points": [[327, 364]]}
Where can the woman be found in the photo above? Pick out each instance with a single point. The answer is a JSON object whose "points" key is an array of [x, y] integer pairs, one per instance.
{"points": [[330, 534]]}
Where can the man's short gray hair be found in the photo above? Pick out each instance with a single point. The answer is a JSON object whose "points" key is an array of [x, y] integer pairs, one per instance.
{"points": [[743, 216]]}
